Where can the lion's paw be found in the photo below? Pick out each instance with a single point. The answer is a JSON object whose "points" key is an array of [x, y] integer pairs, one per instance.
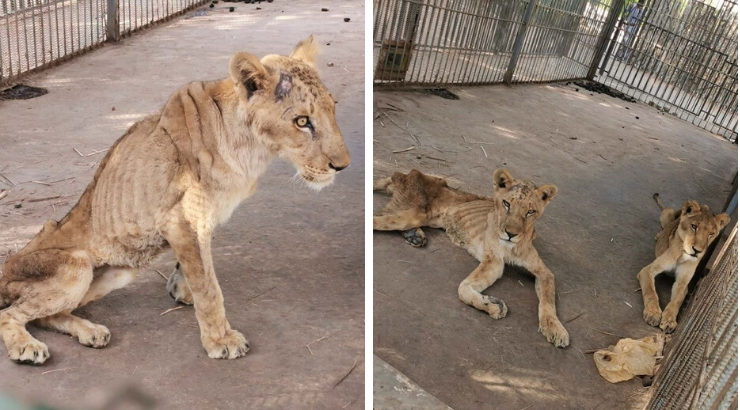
{"points": [[415, 237], [555, 332], [31, 352], [231, 346], [178, 287], [668, 324], [652, 316], [495, 307], [97, 336]]}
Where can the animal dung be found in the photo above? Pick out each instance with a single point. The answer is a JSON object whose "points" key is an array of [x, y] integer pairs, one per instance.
{"points": [[324, 9], [346, 19], [231, 9]]}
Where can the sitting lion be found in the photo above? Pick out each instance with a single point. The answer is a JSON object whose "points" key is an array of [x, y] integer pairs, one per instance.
{"points": [[686, 233], [495, 230], [168, 182]]}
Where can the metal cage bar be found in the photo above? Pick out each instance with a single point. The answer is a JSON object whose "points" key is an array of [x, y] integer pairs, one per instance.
{"points": [[680, 56], [699, 371], [35, 34]]}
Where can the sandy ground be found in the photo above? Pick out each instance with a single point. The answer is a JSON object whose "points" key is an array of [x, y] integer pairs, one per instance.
{"points": [[290, 261], [595, 236]]}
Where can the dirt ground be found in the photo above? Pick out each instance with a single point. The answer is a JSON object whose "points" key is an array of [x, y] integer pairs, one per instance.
{"points": [[595, 236], [290, 261]]}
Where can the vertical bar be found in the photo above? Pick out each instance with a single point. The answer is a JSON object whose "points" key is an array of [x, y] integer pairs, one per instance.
{"points": [[519, 41], [43, 32], [605, 39], [112, 32]]}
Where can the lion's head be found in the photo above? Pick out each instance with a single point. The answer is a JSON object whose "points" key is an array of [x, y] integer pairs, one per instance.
{"points": [[284, 102], [698, 227], [519, 203]]}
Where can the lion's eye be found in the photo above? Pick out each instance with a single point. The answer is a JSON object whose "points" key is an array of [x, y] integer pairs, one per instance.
{"points": [[531, 212], [711, 234], [693, 227], [506, 205], [302, 122]]}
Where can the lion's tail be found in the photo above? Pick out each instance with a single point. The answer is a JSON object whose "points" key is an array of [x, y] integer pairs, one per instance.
{"points": [[656, 197]]}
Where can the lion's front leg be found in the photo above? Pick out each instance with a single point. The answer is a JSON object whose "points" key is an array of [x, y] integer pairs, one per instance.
{"points": [[651, 310], [544, 285], [193, 251], [469, 291], [678, 294]]}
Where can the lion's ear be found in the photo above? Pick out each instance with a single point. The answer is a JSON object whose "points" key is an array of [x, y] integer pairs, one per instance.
{"points": [[306, 51], [722, 220], [502, 179], [247, 70], [547, 192], [690, 207]]}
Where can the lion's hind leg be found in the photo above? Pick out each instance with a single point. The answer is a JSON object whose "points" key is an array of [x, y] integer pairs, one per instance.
{"points": [[408, 221], [668, 215], [178, 288], [42, 283], [383, 184], [415, 237], [89, 334], [469, 291]]}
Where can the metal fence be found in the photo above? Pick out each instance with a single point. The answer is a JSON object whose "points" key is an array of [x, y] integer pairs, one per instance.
{"points": [[37, 33], [699, 371], [678, 55], [427, 42]]}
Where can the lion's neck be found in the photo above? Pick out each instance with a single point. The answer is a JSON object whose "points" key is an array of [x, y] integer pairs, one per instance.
{"points": [[246, 154]]}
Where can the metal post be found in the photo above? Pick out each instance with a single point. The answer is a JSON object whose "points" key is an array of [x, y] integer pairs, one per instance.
{"points": [[605, 37], [112, 31], [519, 41]]}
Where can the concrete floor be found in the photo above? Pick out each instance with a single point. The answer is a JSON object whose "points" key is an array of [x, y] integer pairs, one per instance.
{"points": [[595, 236], [394, 391], [290, 261]]}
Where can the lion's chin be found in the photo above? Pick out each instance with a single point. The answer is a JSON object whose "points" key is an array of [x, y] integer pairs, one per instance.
{"points": [[317, 182]]}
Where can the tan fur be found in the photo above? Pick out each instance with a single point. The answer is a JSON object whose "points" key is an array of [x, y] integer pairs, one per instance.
{"points": [[168, 182], [485, 227], [678, 249]]}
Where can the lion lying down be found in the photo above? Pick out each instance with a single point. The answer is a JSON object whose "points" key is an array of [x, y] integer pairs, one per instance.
{"points": [[496, 230], [685, 235], [167, 183]]}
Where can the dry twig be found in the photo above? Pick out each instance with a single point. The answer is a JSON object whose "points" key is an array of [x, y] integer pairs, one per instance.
{"points": [[346, 374], [170, 310], [404, 150]]}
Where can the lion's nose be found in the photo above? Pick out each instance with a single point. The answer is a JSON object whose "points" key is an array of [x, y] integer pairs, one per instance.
{"points": [[337, 168]]}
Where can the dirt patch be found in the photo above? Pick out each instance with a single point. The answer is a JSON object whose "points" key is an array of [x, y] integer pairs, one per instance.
{"points": [[22, 92], [441, 92], [603, 89]]}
